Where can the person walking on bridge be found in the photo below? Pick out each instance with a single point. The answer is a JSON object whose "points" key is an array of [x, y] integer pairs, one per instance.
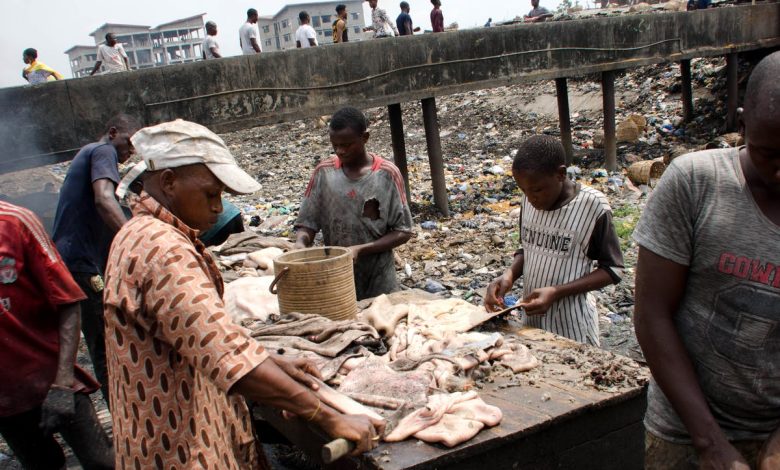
{"points": [[381, 24], [437, 17], [305, 35], [340, 30], [37, 72], [248, 35], [210, 45], [404, 21], [111, 56]]}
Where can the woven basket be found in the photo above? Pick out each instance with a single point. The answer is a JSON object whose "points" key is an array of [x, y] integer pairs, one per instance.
{"points": [[316, 280], [647, 171]]}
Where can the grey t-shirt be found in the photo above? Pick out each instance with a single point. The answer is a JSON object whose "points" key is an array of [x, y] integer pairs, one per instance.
{"points": [[703, 216], [352, 212]]}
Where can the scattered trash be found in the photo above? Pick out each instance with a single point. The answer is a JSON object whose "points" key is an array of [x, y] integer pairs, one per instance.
{"points": [[434, 287]]}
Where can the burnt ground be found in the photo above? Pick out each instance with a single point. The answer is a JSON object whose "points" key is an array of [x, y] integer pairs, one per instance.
{"points": [[479, 132]]}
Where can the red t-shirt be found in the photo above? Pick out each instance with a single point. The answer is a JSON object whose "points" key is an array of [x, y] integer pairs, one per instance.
{"points": [[437, 20], [34, 283]]}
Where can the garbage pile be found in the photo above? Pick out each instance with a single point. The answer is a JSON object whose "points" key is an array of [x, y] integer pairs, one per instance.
{"points": [[480, 132]]}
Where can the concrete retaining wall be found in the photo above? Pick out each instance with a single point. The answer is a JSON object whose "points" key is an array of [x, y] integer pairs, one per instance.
{"points": [[47, 123]]}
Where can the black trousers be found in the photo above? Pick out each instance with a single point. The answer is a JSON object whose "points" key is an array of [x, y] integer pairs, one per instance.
{"points": [[36, 451], [94, 328]]}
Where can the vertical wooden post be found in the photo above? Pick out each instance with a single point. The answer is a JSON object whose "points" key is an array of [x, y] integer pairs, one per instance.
{"points": [[562, 93], [732, 63], [431, 123], [608, 95], [687, 90], [399, 145]]}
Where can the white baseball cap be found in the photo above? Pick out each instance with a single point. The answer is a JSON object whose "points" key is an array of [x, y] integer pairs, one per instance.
{"points": [[180, 143]]}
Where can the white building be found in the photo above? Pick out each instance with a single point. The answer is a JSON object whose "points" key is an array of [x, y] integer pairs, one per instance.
{"points": [[277, 32], [175, 42]]}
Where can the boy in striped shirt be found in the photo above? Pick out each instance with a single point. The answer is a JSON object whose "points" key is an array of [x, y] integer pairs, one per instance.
{"points": [[566, 231]]}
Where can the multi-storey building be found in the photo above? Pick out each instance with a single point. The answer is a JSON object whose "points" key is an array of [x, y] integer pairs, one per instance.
{"points": [[277, 32], [175, 42]]}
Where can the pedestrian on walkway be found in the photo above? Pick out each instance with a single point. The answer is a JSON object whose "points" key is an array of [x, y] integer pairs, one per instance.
{"points": [[248, 35], [111, 56], [210, 45], [437, 17], [37, 72], [381, 24], [305, 35]]}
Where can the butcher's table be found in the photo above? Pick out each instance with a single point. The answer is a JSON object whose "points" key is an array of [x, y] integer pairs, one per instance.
{"points": [[552, 420]]}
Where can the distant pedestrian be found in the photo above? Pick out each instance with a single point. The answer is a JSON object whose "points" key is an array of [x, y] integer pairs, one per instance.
{"points": [[381, 24], [489, 23], [305, 35], [248, 34], [37, 72], [404, 21], [437, 17], [537, 13], [340, 30], [210, 45], [111, 56]]}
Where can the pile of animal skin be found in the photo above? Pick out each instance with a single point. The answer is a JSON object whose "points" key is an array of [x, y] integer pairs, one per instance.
{"points": [[410, 358]]}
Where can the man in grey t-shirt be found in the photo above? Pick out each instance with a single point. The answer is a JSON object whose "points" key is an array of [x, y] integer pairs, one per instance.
{"points": [[708, 298]]}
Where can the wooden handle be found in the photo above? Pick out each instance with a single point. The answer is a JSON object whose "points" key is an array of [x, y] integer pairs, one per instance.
{"points": [[272, 287], [336, 449]]}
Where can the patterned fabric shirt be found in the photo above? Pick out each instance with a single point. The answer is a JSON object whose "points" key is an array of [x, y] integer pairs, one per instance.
{"points": [[382, 24], [38, 72], [173, 352]]}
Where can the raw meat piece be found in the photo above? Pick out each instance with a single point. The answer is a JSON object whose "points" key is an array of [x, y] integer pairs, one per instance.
{"points": [[477, 410], [438, 317], [248, 298], [451, 430], [374, 377], [428, 415], [263, 260], [520, 360], [343, 403], [383, 315]]}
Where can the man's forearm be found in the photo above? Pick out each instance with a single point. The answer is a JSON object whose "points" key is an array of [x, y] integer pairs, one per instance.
{"points": [[97, 67], [591, 281], [304, 237], [111, 213], [69, 327], [517, 266], [660, 287], [385, 243]]}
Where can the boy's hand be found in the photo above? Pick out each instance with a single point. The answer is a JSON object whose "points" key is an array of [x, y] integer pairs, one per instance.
{"points": [[494, 296], [539, 301]]}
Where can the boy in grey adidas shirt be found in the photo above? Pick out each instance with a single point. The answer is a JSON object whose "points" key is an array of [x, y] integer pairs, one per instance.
{"points": [[708, 298]]}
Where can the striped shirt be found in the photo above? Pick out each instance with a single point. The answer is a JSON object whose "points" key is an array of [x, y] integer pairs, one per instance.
{"points": [[563, 245]]}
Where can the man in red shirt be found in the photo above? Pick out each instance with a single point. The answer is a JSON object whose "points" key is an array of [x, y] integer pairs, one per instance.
{"points": [[43, 390], [437, 17]]}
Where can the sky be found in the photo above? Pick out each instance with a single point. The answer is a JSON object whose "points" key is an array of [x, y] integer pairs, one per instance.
{"points": [[53, 26]]}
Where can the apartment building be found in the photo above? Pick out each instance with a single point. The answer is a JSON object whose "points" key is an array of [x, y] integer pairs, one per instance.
{"points": [[175, 42], [277, 32]]}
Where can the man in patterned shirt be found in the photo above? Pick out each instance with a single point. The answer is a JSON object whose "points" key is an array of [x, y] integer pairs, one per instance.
{"points": [[177, 363], [564, 228], [381, 24]]}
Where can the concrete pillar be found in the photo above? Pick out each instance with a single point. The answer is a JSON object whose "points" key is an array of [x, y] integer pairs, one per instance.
{"points": [[562, 92], [732, 64], [687, 90], [431, 123], [399, 145], [608, 95]]}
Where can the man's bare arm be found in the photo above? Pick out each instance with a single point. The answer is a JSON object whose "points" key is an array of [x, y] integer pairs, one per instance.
{"points": [[255, 45], [107, 205], [70, 325], [660, 287]]}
